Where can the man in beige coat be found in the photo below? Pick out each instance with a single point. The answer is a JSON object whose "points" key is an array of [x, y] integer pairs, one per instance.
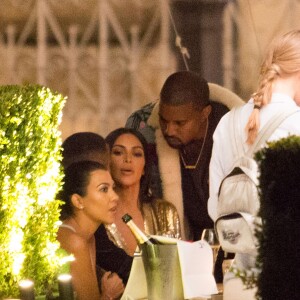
{"points": [[179, 129]]}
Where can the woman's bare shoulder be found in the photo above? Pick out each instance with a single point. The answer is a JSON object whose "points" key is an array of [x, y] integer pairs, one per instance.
{"points": [[71, 241]]}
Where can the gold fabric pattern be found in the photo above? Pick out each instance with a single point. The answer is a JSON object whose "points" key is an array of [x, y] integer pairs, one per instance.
{"points": [[160, 218]]}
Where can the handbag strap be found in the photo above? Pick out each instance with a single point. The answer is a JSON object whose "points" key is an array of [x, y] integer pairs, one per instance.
{"points": [[269, 128], [263, 134], [234, 129]]}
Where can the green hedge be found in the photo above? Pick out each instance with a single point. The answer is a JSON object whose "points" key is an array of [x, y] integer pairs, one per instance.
{"points": [[30, 177], [279, 239]]}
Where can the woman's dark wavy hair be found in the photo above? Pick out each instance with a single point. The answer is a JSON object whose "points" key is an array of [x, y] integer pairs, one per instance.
{"points": [[76, 180], [79, 145], [145, 193]]}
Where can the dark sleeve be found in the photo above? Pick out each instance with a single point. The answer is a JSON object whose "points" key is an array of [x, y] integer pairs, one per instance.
{"points": [[218, 111], [110, 257]]}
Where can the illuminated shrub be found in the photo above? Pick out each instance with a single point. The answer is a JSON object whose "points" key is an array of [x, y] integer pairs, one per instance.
{"points": [[30, 177]]}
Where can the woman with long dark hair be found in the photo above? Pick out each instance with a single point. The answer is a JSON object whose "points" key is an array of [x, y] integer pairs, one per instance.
{"points": [[130, 168], [89, 201]]}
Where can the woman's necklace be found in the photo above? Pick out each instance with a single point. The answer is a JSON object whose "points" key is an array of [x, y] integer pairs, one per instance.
{"points": [[193, 167]]}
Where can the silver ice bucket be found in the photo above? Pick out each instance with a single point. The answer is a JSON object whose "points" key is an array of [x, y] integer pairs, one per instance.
{"points": [[163, 275]]}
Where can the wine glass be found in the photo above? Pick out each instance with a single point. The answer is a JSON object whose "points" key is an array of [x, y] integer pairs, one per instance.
{"points": [[209, 235]]}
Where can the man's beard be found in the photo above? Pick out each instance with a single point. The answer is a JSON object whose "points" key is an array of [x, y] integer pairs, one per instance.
{"points": [[174, 142]]}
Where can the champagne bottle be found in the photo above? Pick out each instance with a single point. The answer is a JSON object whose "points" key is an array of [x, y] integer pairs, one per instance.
{"points": [[141, 237]]}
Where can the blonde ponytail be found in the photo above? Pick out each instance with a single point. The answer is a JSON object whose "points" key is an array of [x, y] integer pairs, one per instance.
{"points": [[253, 124], [282, 59], [261, 98]]}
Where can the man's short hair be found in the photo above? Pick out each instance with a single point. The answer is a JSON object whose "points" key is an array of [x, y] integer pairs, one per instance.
{"points": [[80, 145], [185, 87]]}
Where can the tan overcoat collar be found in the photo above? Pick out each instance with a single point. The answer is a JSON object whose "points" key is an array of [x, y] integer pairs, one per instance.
{"points": [[168, 158]]}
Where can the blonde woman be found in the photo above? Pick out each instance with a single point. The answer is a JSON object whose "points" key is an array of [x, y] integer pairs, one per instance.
{"points": [[278, 91]]}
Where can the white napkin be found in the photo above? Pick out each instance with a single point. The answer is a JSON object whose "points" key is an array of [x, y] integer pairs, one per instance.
{"points": [[136, 287], [196, 262]]}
